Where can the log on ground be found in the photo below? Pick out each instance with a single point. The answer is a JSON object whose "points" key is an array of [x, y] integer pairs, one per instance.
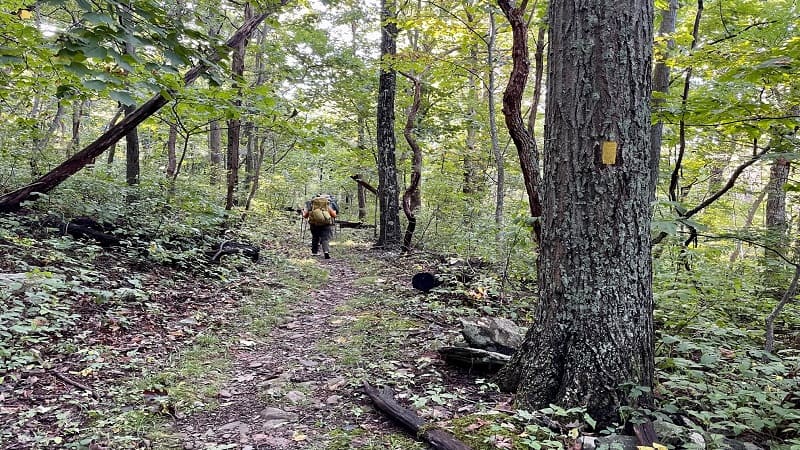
{"points": [[474, 358], [439, 439]]}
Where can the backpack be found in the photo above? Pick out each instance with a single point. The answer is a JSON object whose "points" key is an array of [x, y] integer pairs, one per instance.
{"points": [[319, 214]]}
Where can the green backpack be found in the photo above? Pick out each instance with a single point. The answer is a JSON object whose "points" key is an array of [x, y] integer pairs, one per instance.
{"points": [[319, 214]]}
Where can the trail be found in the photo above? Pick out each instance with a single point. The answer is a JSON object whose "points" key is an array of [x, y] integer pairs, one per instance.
{"points": [[284, 393]]}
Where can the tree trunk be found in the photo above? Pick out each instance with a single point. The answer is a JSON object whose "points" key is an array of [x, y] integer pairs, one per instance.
{"points": [[512, 109], [409, 207], [214, 149], [388, 189], [77, 113], [40, 144], [362, 203], [593, 331], [776, 224], [132, 169], [250, 155], [499, 157], [661, 85], [235, 124], [12, 200], [471, 154], [172, 158], [748, 222], [131, 152]]}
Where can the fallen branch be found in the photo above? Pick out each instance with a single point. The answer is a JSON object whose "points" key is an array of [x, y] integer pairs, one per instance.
{"points": [[439, 439], [71, 382], [474, 358], [367, 186]]}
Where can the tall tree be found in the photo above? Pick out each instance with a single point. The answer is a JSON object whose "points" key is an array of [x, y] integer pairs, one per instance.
{"points": [[593, 332], [132, 168], [512, 107], [388, 188], [235, 124], [661, 82]]}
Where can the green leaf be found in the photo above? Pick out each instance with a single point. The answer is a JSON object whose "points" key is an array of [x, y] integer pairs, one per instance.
{"points": [[123, 97], [95, 85], [99, 18]]}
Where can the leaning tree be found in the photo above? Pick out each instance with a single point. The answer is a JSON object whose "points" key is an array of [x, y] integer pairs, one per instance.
{"points": [[592, 338]]}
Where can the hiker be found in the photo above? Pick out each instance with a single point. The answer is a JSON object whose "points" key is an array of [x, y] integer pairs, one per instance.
{"points": [[320, 214]]}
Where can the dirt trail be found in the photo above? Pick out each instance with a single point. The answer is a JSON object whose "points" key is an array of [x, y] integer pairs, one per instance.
{"points": [[283, 392]]}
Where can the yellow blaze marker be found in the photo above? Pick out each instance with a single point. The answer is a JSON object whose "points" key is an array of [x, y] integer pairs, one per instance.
{"points": [[609, 154]]}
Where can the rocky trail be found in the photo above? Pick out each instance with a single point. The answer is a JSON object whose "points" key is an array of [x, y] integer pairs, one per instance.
{"points": [[285, 391]]}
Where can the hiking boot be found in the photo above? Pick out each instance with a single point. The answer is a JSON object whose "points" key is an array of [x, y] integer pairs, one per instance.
{"points": [[327, 256]]}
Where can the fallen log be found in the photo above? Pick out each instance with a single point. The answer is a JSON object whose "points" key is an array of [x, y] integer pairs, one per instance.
{"points": [[83, 227], [231, 248], [439, 439], [474, 358], [358, 225]]}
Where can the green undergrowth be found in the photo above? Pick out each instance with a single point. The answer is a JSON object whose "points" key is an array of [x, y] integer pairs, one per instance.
{"points": [[147, 326], [363, 439]]}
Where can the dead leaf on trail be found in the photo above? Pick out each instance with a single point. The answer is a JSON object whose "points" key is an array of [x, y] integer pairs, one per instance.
{"points": [[297, 436], [477, 425]]}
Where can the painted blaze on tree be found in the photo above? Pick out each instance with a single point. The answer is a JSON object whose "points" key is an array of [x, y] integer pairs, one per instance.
{"points": [[593, 334]]}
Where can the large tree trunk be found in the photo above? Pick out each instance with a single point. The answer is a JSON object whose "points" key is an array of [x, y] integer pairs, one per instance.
{"points": [[12, 200], [661, 85], [593, 331], [512, 109], [132, 170], [776, 224], [235, 124], [388, 189]]}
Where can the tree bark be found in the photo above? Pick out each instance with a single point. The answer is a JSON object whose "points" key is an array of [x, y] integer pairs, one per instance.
{"points": [[388, 189], [776, 224], [41, 143], [132, 169], [661, 86], [593, 331], [471, 154], [676, 171], [409, 208], [499, 157], [77, 114], [439, 439], [214, 149], [172, 158], [235, 124], [512, 109], [46, 183]]}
